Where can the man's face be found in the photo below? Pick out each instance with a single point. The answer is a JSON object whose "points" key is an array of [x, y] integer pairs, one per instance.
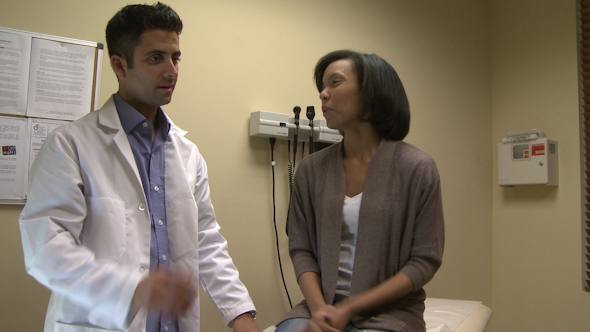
{"points": [[152, 79]]}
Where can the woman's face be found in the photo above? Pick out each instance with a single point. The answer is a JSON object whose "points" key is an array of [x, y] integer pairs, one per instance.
{"points": [[341, 97]]}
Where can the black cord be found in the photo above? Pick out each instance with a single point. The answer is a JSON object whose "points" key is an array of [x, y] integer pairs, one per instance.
{"points": [[296, 110], [294, 157], [291, 181], [302, 150], [274, 214], [290, 168], [311, 146]]}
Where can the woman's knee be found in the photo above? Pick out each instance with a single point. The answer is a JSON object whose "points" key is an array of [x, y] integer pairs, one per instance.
{"points": [[291, 325]]}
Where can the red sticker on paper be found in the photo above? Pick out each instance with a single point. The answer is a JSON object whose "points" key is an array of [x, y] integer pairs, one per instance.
{"points": [[538, 149]]}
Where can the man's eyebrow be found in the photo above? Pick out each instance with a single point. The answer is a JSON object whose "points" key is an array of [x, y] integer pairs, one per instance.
{"points": [[153, 52]]}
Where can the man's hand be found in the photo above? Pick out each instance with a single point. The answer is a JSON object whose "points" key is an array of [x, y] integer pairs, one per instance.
{"points": [[245, 323], [165, 291]]}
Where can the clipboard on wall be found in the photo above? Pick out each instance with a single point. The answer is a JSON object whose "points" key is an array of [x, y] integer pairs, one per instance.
{"points": [[45, 81]]}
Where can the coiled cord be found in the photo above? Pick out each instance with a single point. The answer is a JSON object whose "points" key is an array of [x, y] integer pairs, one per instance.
{"points": [[274, 217]]}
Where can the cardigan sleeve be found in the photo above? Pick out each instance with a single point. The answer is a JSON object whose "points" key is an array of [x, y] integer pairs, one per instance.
{"points": [[426, 216], [301, 224]]}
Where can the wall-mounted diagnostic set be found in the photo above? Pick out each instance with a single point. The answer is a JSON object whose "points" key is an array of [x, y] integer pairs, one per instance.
{"points": [[281, 126]]}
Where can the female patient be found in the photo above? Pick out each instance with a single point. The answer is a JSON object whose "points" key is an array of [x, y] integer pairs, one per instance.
{"points": [[366, 229]]}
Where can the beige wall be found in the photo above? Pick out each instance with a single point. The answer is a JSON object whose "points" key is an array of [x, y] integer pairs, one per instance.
{"points": [[537, 254], [243, 56]]}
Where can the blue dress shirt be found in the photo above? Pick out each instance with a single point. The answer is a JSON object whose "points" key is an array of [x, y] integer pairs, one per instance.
{"points": [[149, 157]]}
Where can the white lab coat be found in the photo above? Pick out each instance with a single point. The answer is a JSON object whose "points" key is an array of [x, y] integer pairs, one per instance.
{"points": [[86, 227]]}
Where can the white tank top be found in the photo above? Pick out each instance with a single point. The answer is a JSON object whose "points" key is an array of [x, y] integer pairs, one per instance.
{"points": [[350, 213]]}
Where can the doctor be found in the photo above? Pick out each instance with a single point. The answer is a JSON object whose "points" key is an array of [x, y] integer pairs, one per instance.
{"points": [[118, 223]]}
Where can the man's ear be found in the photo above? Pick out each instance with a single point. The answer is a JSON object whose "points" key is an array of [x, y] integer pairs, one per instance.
{"points": [[119, 65]]}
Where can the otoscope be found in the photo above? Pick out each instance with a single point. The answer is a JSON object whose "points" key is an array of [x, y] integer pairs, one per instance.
{"points": [[310, 115], [291, 167], [296, 110]]}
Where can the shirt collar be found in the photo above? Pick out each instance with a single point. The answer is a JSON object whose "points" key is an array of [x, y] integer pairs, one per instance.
{"points": [[130, 117]]}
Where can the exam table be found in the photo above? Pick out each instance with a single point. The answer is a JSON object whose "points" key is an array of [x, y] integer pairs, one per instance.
{"points": [[443, 315]]}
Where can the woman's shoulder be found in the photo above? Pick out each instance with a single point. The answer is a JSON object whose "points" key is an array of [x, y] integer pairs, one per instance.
{"points": [[407, 152], [407, 160], [327, 154], [403, 165]]}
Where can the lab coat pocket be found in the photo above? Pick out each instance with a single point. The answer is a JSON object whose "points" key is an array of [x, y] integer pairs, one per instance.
{"points": [[105, 228], [64, 327]]}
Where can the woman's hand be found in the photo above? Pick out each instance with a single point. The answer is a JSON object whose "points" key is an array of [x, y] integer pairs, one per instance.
{"points": [[320, 320], [341, 315], [309, 282]]}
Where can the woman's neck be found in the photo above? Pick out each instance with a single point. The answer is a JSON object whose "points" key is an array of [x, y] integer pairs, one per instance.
{"points": [[362, 143]]}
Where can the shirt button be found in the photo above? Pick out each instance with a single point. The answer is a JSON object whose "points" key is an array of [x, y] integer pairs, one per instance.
{"points": [[160, 222], [156, 188], [166, 328], [141, 207], [142, 269], [164, 257], [145, 124]]}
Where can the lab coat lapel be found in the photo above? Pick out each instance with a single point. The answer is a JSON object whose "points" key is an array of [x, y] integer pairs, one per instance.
{"points": [[108, 119], [181, 209]]}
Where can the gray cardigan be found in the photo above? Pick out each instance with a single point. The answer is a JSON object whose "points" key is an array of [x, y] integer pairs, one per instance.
{"points": [[401, 228]]}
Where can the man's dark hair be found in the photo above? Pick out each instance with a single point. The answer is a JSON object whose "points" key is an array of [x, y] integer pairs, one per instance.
{"points": [[386, 103], [124, 30]]}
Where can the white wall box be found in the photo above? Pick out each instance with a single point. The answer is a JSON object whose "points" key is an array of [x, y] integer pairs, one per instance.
{"points": [[525, 161]]}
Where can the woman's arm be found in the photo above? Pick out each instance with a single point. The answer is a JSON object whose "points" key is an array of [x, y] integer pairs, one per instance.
{"points": [[309, 282], [388, 291], [336, 318]]}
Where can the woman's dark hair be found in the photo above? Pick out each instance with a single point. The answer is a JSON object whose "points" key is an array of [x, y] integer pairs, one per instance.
{"points": [[124, 30], [386, 103]]}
